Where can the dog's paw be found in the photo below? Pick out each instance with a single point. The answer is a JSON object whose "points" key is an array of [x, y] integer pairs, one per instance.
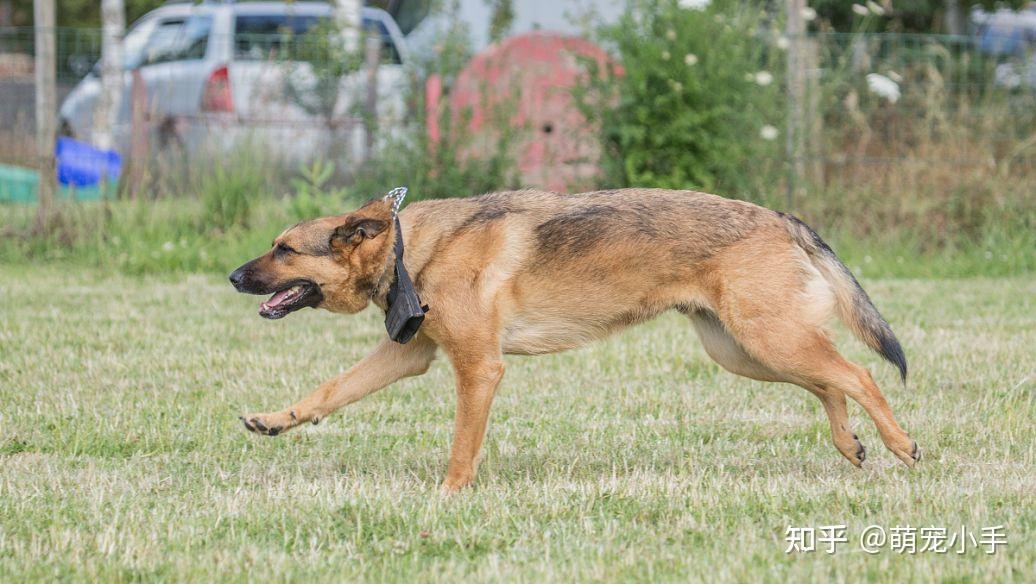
{"points": [[851, 448], [269, 424], [909, 453], [859, 453], [454, 484]]}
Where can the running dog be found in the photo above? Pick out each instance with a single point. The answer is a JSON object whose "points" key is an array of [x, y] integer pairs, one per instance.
{"points": [[530, 272]]}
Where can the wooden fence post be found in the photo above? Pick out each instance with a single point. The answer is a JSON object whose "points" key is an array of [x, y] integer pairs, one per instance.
{"points": [[106, 116], [371, 59], [46, 107], [795, 30]]}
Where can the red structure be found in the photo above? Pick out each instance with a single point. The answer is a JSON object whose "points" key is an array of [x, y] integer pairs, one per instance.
{"points": [[527, 80]]}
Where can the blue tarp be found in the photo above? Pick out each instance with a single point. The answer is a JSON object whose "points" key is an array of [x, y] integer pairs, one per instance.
{"points": [[82, 165]]}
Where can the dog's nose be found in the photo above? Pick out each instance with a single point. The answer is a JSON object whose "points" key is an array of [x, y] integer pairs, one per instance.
{"points": [[237, 277]]}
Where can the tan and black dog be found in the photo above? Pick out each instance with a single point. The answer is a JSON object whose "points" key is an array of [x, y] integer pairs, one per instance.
{"points": [[531, 272]]}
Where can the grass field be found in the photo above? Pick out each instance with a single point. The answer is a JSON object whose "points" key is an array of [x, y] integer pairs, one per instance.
{"points": [[121, 456]]}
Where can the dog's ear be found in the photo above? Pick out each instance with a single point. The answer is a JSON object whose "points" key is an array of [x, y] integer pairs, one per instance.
{"points": [[355, 230]]}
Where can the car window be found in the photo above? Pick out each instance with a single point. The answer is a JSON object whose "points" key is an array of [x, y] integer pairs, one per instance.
{"points": [[409, 14], [178, 39], [261, 37], [275, 36]]}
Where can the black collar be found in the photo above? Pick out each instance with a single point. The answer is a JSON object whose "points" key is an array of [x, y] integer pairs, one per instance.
{"points": [[405, 312]]}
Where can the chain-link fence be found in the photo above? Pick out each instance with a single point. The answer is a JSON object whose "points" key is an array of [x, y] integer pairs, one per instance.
{"points": [[873, 107], [193, 93], [885, 103]]}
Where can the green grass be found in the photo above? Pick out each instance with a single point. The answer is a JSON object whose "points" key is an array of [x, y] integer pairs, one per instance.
{"points": [[636, 458], [182, 234]]}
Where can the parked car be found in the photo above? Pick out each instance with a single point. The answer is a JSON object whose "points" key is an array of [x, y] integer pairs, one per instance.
{"points": [[222, 73]]}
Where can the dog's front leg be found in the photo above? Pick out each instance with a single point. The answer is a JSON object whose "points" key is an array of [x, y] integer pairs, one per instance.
{"points": [[389, 362], [477, 378]]}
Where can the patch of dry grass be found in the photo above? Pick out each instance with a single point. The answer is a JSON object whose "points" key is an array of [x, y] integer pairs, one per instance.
{"points": [[121, 457]]}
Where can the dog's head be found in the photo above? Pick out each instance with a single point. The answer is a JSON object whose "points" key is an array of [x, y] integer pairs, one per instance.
{"points": [[332, 262]]}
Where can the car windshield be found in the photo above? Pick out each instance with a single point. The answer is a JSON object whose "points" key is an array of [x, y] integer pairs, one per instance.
{"points": [[134, 41], [176, 39]]}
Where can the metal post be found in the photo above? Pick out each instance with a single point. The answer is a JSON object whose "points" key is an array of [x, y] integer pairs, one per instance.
{"points": [[46, 114]]}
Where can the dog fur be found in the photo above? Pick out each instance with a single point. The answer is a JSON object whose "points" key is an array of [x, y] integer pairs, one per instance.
{"points": [[530, 272]]}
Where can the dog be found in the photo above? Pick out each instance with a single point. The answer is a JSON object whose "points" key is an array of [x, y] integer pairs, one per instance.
{"points": [[530, 272]]}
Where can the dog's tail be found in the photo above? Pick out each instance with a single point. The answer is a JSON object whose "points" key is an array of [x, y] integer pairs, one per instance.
{"points": [[854, 306]]}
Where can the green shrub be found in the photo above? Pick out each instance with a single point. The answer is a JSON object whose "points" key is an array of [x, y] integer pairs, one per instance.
{"points": [[229, 189], [314, 197], [696, 103]]}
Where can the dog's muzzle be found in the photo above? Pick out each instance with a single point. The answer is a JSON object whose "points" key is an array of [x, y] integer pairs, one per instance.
{"points": [[287, 297]]}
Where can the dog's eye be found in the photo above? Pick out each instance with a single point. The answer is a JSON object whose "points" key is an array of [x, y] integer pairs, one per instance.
{"points": [[283, 249]]}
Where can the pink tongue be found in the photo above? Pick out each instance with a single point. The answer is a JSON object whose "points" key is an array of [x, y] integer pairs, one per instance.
{"points": [[277, 298]]}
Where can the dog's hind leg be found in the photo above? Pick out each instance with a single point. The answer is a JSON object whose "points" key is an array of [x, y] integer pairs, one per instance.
{"points": [[389, 362], [809, 358], [728, 352]]}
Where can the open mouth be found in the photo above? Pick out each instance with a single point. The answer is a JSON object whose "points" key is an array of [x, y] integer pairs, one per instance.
{"points": [[296, 295]]}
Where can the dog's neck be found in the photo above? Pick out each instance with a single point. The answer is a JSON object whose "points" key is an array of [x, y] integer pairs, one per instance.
{"points": [[380, 292], [404, 312]]}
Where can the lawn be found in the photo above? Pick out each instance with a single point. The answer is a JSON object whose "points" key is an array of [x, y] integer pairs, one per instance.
{"points": [[121, 456]]}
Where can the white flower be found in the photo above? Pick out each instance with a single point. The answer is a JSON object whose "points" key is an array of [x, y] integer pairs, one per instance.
{"points": [[665, 55], [783, 43], [694, 4], [670, 34], [875, 7], [168, 246], [861, 10], [690, 59], [676, 85], [763, 78], [768, 133], [883, 86], [809, 14]]}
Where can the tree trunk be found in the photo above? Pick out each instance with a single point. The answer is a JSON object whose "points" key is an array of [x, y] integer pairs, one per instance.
{"points": [[113, 26]]}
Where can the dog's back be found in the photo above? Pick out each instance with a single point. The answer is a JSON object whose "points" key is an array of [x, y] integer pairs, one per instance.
{"points": [[561, 270]]}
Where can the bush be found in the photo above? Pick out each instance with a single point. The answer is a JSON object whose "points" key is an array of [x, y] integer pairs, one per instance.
{"points": [[228, 190], [695, 103]]}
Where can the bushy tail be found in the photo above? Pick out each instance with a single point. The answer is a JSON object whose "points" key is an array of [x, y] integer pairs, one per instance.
{"points": [[854, 306]]}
